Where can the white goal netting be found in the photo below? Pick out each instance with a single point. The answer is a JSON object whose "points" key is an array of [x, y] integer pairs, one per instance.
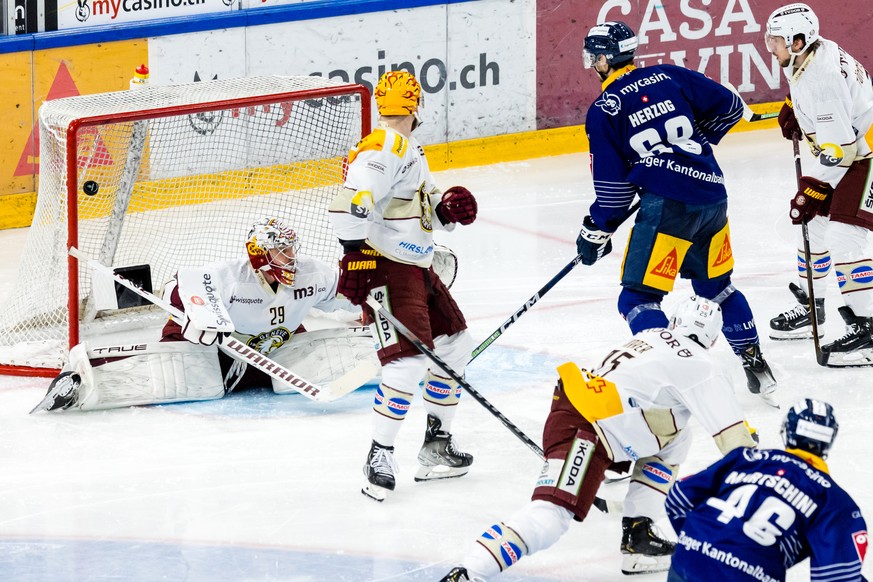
{"points": [[169, 177]]}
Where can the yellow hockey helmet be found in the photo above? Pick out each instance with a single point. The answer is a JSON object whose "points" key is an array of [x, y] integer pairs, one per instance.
{"points": [[397, 93]]}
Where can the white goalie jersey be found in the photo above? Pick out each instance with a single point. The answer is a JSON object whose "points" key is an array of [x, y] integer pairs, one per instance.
{"points": [[265, 319]]}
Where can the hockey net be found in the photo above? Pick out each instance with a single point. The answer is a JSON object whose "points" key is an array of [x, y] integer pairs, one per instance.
{"points": [[159, 178]]}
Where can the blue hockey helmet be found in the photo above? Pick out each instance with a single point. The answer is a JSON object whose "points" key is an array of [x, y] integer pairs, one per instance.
{"points": [[613, 39], [810, 426]]}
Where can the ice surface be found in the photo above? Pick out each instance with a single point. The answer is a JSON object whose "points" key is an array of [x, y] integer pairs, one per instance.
{"points": [[265, 487]]}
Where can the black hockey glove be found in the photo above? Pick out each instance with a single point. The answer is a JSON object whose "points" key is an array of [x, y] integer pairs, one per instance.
{"points": [[592, 243]]}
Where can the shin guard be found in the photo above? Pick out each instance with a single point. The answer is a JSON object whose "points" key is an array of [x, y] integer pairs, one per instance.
{"points": [[504, 545]]}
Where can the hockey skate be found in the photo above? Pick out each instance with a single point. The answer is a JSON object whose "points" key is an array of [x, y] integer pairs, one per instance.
{"points": [[796, 322], [856, 347], [759, 376], [457, 575], [438, 456], [62, 393], [379, 470], [643, 551]]}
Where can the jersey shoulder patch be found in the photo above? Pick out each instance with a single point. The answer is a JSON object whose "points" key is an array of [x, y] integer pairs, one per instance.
{"points": [[381, 140]]}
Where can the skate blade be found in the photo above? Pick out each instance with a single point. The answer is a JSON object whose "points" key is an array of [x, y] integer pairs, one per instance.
{"points": [[44, 404], [439, 472], [769, 399], [859, 359], [375, 492], [796, 335], [632, 564]]}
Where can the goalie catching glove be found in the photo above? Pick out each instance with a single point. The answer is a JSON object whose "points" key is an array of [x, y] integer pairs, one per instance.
{"points": [[355, 278], [458, 205], [592, 244], [809, 200]]}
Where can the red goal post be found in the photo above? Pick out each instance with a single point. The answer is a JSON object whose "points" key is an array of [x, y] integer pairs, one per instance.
{"points": [[162, 177]]}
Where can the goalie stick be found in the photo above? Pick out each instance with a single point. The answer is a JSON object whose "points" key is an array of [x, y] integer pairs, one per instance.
{"points": [[538, 295], [240, 351], [606, 506]]}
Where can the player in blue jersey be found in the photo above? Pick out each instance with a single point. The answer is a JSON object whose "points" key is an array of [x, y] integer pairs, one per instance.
{"points": [[651, 132], [756, 513]]}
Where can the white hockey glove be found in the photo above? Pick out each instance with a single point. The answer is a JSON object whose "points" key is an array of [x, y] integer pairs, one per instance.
{"points": [[206, 318], [194, 334]]}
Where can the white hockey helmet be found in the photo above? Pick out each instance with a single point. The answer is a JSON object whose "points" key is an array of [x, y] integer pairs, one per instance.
{"points": [[272, 234], [699, 319], [790, 21]]}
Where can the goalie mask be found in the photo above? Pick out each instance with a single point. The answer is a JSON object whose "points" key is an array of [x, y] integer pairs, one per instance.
{"points": [[272, 247], [698, 319], [810, 426], [790, 21], [398, 93], [615, 40]]}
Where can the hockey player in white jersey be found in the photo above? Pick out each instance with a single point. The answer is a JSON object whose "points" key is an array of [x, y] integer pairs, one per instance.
{"points": [[385, 220], [632, 407], [831, 106], [264, 297]]}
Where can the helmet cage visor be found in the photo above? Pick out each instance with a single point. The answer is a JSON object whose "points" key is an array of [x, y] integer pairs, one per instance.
{"points": [[281, 263], [272, 248]]}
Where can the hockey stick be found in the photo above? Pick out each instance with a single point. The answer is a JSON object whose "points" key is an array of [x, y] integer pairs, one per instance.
{"points": [[238, 350], [603, 505], [539, 294], [751, 116], [748, 114], [382, 312], [820, 357]]}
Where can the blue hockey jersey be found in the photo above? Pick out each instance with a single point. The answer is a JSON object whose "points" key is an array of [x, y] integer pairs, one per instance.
{"points": [[651, 130], [755, 513]]}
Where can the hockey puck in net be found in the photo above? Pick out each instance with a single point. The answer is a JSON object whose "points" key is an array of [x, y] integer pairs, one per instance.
{"points": [[90, 187]]}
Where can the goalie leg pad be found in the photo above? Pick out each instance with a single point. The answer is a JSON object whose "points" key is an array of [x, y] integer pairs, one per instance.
{"points": [[323, 356], [153, 373], [504, 545]]}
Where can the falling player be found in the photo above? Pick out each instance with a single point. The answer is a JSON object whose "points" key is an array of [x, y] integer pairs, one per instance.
{"points": [[385, 220], [756, 513], [634, 406], [651, 132], [265, 296], [831, 106]]}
